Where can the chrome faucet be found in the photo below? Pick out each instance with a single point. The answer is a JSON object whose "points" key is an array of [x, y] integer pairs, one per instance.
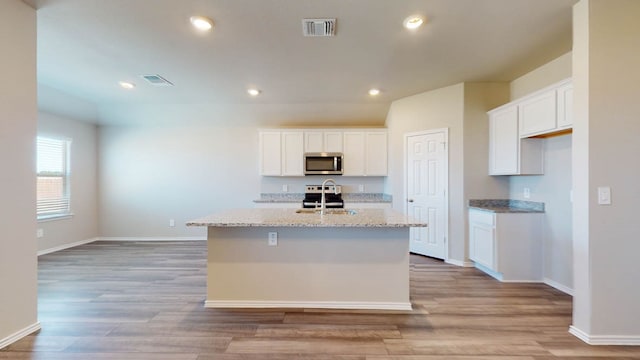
{"points": [[323, 201]]}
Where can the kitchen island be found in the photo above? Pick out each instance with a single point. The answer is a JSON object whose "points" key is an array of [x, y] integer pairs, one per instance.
{"points": [[355, 259]]}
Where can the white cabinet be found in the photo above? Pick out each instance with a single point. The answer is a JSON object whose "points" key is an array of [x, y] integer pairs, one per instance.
{"points": [[538, 113], [270, 153], [564, 96], [292, 153], [353, 154], [281, 153], [365, 153], [376, 153], [364, 150], [546, 111], [322, 141], [482, 247], [508, 154], [506, 246]]}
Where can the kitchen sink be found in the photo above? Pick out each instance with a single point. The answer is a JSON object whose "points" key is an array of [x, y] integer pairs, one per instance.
{"points": [[327, 212]]}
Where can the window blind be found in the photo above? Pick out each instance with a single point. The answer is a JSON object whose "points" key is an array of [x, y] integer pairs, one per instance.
{"points": [[53, 177]]}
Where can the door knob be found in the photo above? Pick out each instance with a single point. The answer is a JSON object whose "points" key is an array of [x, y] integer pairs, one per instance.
{"points": [[410, 200]]}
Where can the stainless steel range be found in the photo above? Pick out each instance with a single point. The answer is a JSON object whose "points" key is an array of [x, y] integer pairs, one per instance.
{"points": [[313, 196]]}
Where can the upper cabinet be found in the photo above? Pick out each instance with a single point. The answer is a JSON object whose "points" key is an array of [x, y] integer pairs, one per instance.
{"points": [[564, 96], [546, 111], [364, 150], [281, 153], [514, 128], [365, 153], [508, 154], [376, 152], [322, 141], [270, 153]]}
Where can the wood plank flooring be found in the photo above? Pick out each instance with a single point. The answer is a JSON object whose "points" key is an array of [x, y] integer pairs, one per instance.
{"points": [[144, 300]]}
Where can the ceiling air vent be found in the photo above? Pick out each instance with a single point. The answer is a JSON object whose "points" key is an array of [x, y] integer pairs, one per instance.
{"points": [[157, 80], [319, 27]]}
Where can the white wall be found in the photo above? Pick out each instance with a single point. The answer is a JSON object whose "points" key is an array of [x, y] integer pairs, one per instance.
{"points": [[547, 74], [18, 116], [83, 226], [605, 151], [554, 186], [149, 175], [553, 189], [461, 108]]}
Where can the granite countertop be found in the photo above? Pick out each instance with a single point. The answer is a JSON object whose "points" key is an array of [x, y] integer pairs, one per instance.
{"points": [[383, 218], [347, 197], [507, 206]]}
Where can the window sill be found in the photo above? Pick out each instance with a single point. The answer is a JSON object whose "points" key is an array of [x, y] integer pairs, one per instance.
{"points": [[56, 217]]}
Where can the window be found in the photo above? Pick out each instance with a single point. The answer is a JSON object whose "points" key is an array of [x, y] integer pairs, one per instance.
{"points": [[53, 178]]}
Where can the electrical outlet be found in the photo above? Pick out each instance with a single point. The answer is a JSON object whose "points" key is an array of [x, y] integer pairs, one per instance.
{"points": [[273, 239], [285, 188], [361, 188], [40, 233], [527, 193], [172, 223]]}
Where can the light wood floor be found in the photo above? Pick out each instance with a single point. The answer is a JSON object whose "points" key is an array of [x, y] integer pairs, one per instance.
{"points": [[128, 300]]}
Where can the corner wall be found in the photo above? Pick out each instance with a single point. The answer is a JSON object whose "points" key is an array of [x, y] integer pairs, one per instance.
{"points": [[83, 226], [18, 116], [605, 150]]}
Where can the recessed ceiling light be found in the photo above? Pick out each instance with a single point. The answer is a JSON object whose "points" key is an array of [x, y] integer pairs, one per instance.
{"points": [[413, 22], [126, 85], [374, 92], [254, 92], [201, 23]]}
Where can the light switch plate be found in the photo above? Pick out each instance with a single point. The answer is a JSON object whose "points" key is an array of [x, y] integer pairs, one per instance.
{"points": [[527, 193], [285, 188], [604, 195]]}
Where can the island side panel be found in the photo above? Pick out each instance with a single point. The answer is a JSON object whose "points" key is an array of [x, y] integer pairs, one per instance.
{"points": [[350, 268]]}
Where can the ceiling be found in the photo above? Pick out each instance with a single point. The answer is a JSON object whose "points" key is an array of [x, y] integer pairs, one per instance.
{"points": [[86, 46]]}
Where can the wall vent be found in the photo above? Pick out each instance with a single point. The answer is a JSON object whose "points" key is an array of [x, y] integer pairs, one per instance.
{"points": [[157, 80], [319, 27]]}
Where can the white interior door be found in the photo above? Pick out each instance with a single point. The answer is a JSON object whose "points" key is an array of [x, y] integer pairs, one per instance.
{"points": [[427, 184]]}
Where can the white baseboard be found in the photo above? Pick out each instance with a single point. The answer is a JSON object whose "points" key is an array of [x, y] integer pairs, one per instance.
{"points": [[554, 284], [153, 238], [309, 305], [633, 340], [66, 246], [19, 335]]}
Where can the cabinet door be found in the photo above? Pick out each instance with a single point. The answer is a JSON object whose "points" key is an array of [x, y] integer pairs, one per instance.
{"points": [[376, 154], [313, 141], [504, 142], [482, 244], [333, 141], [270, 153], [354, 154], [565, 106], [292, 153], [538, 114]]}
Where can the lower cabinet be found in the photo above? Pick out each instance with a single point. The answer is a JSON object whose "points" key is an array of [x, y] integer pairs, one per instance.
{"points": [[507, 246]]}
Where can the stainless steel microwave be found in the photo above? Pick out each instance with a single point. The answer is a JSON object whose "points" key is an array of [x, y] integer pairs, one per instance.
{"points": [[323, 163]]}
